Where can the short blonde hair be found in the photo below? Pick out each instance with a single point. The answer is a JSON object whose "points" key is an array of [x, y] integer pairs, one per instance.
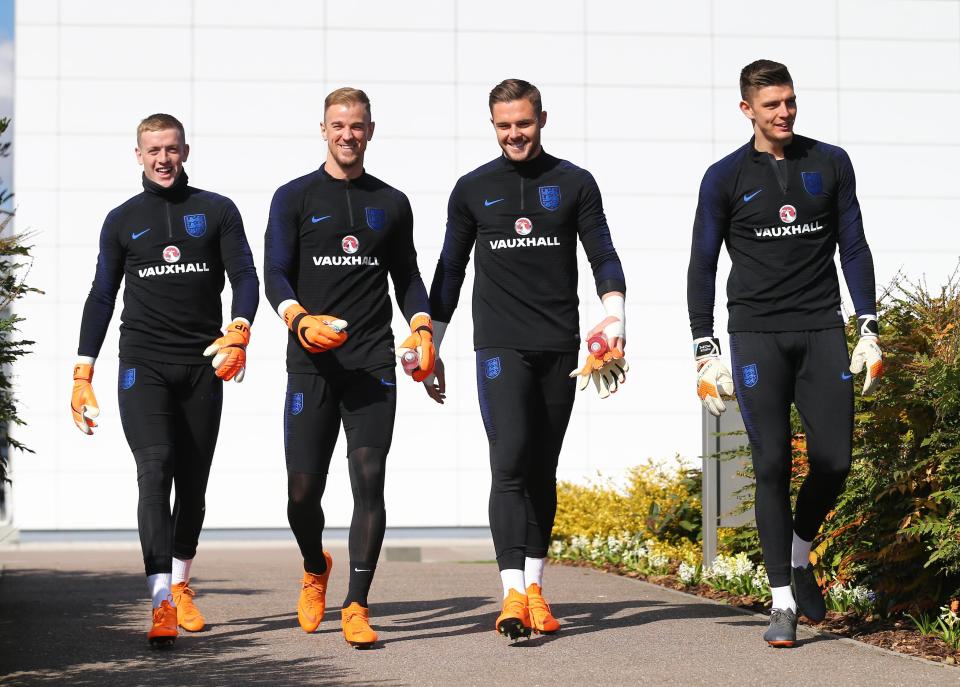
{"points": [[346, 96], [160, 122]]}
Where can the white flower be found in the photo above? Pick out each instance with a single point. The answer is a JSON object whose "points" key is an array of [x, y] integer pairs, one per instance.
{"points": [[687, 573]]}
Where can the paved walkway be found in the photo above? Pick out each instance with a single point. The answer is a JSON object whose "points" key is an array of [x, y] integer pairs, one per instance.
{"points": [[77, 616]]}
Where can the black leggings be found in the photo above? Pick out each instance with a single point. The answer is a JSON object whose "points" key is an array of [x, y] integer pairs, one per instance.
{"points": [[171, 417], [525, 400], [810, 369], [304, 491]]}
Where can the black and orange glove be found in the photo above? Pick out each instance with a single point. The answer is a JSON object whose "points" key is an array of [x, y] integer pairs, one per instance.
{"points": [[83, 403], [230, 351], [316, 333], [420, 342]]}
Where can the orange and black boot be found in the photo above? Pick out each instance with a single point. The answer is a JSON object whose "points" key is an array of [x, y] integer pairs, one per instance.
{"points": [[355, 621], [541, 619], [163, 633], [514, 620], [189, 616], [313, 597]]}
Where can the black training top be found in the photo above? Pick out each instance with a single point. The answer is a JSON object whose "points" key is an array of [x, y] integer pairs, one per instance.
{"points": [[172, 246], [329, 245], [524, 219], [782, 222]]}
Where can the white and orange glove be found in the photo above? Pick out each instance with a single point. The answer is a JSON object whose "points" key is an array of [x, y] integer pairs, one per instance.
{"points": [[714, 382], [605, 363], [867, 354], [230, 351], [83, 403], [435, 383], [316, 333], [417, 353]]}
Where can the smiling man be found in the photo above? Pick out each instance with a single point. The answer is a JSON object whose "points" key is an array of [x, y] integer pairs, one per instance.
{"points": [[524, 213], [784, 204], [171, 244], [332, 238]]}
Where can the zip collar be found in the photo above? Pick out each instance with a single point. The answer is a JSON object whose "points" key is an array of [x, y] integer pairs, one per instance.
{"points": [[177, 191]]}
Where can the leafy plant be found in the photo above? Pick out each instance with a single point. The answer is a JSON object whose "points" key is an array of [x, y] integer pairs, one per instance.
{"points": [[15, 262]]}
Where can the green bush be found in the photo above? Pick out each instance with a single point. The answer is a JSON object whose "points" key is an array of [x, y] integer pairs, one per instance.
{"points": [[15, 263], [897, 525]]}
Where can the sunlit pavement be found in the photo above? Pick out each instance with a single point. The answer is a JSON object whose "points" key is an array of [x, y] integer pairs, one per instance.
{"points": [[77, 614]]}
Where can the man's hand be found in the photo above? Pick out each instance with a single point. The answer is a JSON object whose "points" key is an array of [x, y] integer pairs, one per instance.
{"points": [[714, 382], [230, 351], [867, 353], [421, 341], [436, 383], [316, 333], [83, 404]]}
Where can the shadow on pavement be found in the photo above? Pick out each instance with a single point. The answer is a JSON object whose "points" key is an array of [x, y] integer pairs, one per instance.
{"points": [[586, 617], [81, 628]]}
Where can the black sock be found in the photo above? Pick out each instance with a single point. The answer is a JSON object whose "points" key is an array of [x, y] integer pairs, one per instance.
{"points": [[361, 576]]}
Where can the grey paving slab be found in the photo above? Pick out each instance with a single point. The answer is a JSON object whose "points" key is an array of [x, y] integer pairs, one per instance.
{"points": [[78, 617]]}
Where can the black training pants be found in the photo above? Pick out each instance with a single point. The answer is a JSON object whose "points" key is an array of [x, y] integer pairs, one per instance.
{"points": [[171, 418], [525, 401], [811, 370]]}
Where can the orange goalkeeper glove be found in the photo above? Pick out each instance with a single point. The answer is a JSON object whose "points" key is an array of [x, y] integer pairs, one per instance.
{"points": [[316, 333], [419, 342], [230, 351], [83, 404], [604, 365]]}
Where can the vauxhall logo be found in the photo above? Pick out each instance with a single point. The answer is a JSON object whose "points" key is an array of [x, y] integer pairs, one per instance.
{"points": [[788, 215]]}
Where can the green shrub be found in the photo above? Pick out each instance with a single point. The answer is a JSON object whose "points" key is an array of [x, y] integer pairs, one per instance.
{"points": [[897, 525]]}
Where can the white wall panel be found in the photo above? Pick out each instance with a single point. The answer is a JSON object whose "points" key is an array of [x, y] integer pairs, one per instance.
{"points": [[621, 16], [920, 20], [644, 98]]}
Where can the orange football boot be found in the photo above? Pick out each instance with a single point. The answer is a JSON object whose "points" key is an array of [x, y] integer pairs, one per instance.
{"points": [[313, 597], [189, 616], [163, 633], [514, 621], [355, 621], [541, 619]]}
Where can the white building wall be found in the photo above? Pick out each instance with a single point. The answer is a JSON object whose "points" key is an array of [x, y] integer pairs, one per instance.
{"points": [[643, 96]]}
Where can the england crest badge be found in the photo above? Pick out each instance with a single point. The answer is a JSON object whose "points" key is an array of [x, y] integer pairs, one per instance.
{"points": [[750, 375], [196, 225], [296, 403], [376, 218], [550, 197], [128, 378], [491, 368], [812, 182]]}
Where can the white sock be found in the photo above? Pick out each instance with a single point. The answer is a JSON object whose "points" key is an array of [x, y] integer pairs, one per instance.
{"points": [[159, 587], [533, 571], [783, 598], [512, 579], [181, 570], [800, 555]]}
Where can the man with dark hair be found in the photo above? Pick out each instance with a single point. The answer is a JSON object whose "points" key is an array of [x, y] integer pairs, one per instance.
{"points": [[332, 238], [783, 204], [524, 212], [171, 244]]}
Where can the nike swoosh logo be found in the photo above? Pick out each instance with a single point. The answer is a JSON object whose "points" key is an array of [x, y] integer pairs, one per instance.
{"points": [[320, 219], [359, 570], [386, 383], [138, 234], [747, 197], [845, 376], [488, 203]]}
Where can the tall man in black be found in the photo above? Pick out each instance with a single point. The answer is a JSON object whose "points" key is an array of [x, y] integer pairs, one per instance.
{"points": [[171, 244], [523, 212], [783, 204], [332, 238]]}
